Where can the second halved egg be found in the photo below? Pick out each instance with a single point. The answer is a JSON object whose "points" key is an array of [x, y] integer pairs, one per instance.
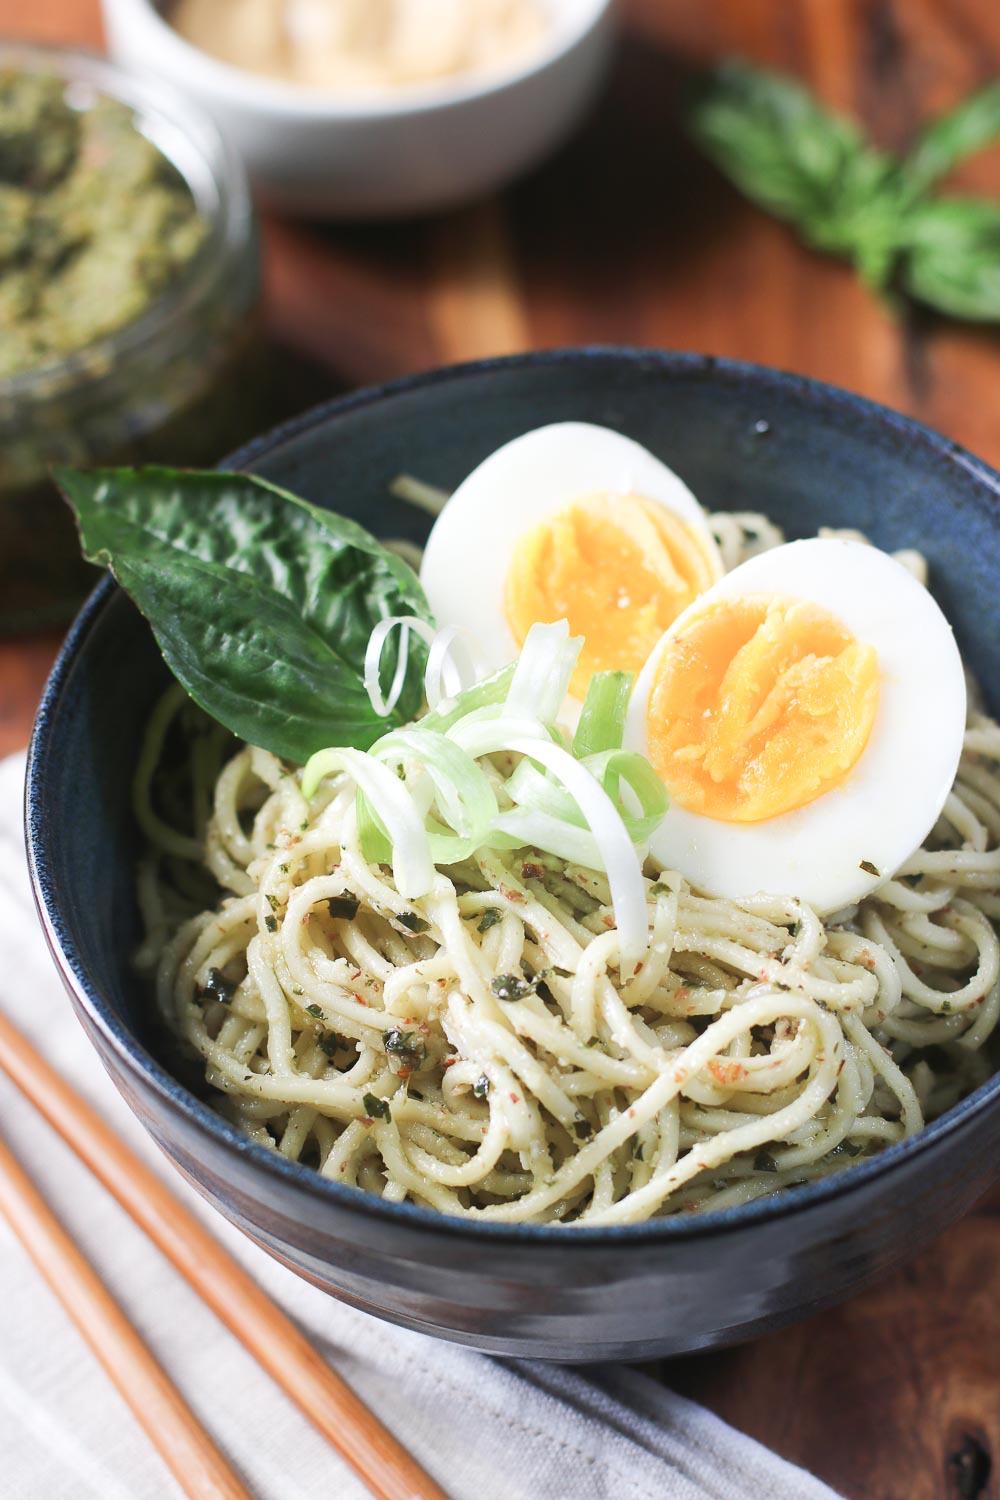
{"points": [[806, 715], [570, 522]]}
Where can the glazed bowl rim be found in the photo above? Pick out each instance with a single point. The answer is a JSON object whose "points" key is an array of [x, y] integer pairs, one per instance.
{"points": [[292, 1175]]}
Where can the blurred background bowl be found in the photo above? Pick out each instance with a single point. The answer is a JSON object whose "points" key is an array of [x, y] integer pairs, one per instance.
{"points": [[743, 437], [410, 150]]}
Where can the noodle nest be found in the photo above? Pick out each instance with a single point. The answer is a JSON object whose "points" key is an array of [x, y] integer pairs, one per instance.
{"points": [[480, 1052]]}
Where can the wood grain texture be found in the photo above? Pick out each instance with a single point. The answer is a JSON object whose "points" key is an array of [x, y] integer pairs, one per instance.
{"points": [[24, 666], [627, 237]]}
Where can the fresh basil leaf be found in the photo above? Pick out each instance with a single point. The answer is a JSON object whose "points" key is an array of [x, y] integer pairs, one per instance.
{"points": [[814, 169], [771, 137], [953, 257], [261, 603], [804, 163], [974, 125], [866, 220]]}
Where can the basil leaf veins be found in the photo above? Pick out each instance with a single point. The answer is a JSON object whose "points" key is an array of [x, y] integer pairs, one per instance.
{"points": [[261, 603]]}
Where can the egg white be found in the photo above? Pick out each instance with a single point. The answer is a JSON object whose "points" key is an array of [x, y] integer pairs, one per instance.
{"points": [[471, 547], [892, 797]]}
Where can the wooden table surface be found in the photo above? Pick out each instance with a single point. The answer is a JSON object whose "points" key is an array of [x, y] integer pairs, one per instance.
{"points": [[628, 238]]}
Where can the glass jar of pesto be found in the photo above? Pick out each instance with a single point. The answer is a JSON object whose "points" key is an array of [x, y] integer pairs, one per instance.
{"points": [[129, 289]]}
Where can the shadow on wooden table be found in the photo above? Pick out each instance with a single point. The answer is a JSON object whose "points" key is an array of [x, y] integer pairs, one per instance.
{"points": [[582, 246], [629, 203]]}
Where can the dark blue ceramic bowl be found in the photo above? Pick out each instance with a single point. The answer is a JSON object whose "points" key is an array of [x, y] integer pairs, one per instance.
{"points": [[743, 438]]}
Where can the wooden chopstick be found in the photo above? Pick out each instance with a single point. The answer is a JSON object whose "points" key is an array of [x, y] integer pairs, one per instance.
{"points": [[389, 1471], [184, 1445]]}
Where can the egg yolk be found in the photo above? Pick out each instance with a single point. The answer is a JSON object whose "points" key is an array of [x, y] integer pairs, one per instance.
{"points": [[760, 705], [619, 568]]}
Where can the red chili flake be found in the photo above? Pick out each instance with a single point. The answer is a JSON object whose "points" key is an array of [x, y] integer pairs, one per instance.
{"points": [[515, 1098], [726, 1072], [683, 993], [359, 998], [631, 1114], [532, 871], [639, 968], [608, 921], [449, 1062], [511, 895], [404, 1073], [680, 1075]]}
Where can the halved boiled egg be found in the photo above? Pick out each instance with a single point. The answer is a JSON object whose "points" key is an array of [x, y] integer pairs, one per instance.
{"points": [[569, 522], [806, 715]]}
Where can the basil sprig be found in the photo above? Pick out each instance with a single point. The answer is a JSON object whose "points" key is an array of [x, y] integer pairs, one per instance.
{"points": [[261, 603], [818, 172]]}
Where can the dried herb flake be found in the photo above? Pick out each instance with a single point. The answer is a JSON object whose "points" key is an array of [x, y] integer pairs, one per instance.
{"points": [[408, 1046], [412, 922], [345, 906], [217, 987], [510, 987]]}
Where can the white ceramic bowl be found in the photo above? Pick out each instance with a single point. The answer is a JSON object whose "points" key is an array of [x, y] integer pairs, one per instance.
{"points": [[416, 149]]}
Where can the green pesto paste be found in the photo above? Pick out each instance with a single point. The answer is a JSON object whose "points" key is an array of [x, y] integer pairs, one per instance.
{"points": [[95, 223]]}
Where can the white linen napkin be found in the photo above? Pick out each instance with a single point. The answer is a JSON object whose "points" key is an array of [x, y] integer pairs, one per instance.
{"points": [[486, 1429]]}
